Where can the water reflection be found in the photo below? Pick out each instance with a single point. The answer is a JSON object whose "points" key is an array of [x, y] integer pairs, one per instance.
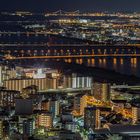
{"points": [[126, 65]]}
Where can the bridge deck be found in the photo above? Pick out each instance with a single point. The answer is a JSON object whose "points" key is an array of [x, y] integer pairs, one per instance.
{"points": [[74, 56]]}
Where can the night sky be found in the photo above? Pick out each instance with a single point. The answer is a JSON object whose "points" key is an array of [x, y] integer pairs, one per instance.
{"points": [[83, 5]]}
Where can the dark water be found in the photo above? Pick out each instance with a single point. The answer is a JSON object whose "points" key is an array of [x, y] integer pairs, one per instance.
{"points": [[129, 66]]}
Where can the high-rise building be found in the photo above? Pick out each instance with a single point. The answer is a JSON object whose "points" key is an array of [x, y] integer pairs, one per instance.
{"points": [[75, 81], [98, 121], [44, 119], [83, 104], [42, 83], [101, 91], [91, 118], [45, 105], [54, 108], [135, 115], [97, 91], [67, 82], [105, 92], [7, 97], [28, 127], [1, 129], [6, 73]]}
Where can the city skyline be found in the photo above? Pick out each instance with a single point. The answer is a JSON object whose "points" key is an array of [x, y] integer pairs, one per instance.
{"points": [[70, 70], [47, 5]]}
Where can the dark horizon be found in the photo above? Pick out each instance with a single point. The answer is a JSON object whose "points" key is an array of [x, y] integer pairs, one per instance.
{"points": [[82, 5]]}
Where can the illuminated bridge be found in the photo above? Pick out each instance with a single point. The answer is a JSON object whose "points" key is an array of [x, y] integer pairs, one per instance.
{"points": [[67, 51], [42, 45]]}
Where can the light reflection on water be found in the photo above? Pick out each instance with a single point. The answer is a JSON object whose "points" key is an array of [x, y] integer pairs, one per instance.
{"points": [[130, 66]]}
